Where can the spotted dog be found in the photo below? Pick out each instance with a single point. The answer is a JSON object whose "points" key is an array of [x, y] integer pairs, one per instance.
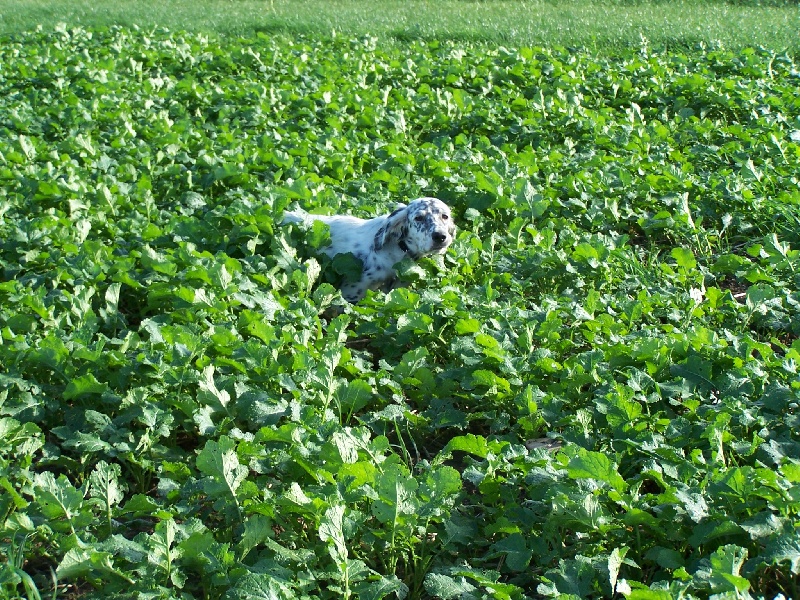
{"points": [[423, 227]]}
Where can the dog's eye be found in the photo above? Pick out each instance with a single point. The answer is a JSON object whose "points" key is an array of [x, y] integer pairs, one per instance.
{"points": [[445, 217], [419, 218]]}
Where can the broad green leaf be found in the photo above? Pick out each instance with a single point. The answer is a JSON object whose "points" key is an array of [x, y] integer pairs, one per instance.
{"points": [[517, 554], [353, 396], [684, 257], [164, 553], [104, 484], [200, 551], [11, 496], [84, 385], [439, 490], [260, 586], [696, 371], [573, 577], [762, 525], [397, 502], [21, 440], [257, 529], [595, 465], [783, 549], [721, 570], [78, 563], [141, 505], [467, 326], [447, 587], [318, 234], [694, 504], [347, 266], [615, 561], [27, 147], [59, 500], [358, 473], [210, 393], [526, 196], [758, 297], [220, 463], [666, 558], [381, 587], [331, 529], [649, 594], [470, 443]]}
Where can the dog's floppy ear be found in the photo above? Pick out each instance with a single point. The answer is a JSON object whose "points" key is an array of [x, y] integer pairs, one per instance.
{"points": [[394, 228]]}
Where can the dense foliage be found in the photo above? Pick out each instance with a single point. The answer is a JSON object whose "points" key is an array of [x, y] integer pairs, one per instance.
{"points": [[189, 409]]}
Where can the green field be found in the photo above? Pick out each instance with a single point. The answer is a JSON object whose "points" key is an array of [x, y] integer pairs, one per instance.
{"points": [[609, 24], [189, 409]]}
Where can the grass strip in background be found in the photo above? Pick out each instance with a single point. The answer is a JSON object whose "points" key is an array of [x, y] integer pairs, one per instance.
{"points": [[180, 419], [598, 25]]}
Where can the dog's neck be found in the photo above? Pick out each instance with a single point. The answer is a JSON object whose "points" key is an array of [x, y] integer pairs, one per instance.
{"points": [[401, 243]]}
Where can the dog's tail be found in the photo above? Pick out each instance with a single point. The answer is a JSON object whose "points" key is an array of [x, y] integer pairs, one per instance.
{"points": [[292, 216]]}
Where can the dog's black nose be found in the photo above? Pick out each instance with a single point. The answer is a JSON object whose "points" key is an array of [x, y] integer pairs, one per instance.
{"points": [[439, 238]]}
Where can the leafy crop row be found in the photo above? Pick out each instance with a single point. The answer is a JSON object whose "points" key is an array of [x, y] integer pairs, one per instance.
{"points": [[189, 409]]}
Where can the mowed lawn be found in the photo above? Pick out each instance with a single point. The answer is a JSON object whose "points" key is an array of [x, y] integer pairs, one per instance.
{"points": [[594, 394], [585, 23]]}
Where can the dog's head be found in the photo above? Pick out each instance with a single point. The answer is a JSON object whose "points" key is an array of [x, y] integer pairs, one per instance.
{"points": [[423, 227]]}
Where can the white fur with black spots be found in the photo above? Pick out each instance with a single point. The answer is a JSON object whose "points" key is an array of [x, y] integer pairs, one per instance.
{"points": [[423, 227]]}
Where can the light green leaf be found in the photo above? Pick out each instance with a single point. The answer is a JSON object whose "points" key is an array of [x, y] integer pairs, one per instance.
{"points": [[257, 529], [573, 577], [595, 465], [467, 326], [260, 586], [379, 587], [784, 548], [219, 461], [471, 443], [397, 501], [615, 560], [439, 489], [210, 393], [331, 529], [353, 396], [163, 551], [446, 587], [58, 499], [694, 503], [84, 385], [83, 562], [104, 485], [684, 257]]}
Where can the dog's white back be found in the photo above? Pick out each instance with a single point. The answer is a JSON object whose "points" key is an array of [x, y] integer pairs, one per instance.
{"points": [[425, 226]]}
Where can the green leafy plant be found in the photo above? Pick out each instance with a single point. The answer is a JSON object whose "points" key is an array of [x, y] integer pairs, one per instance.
{"points": [[188, 408]]}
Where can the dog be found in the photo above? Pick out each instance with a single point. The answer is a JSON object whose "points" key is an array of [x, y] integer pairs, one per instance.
{"points": [[423, 227]]}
